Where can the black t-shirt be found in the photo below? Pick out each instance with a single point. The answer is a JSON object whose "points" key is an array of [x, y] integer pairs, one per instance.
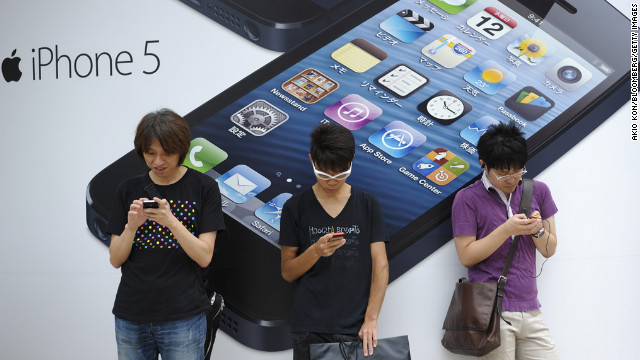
{"points": [[159, 281], [332, 296]]}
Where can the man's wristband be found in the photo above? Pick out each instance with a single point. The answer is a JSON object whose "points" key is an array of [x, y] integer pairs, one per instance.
{"points": [[539, 233]]}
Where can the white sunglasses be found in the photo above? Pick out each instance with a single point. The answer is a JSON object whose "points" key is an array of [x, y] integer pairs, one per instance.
{"points": [[324, 176]]}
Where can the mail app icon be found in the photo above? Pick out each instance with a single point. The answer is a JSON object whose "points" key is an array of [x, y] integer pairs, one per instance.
{"points": [[242, 183]]}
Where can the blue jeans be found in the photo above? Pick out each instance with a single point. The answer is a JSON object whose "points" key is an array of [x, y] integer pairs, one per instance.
{"points": [[174, 340], [300, 342]]}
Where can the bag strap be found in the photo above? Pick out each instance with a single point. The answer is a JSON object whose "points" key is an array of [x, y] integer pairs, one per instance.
{"points": [[525, 208], [152, 191]]}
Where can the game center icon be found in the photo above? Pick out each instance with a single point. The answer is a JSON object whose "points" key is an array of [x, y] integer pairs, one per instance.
{"points": [[441, 166], [353, 112], [259, 117]]}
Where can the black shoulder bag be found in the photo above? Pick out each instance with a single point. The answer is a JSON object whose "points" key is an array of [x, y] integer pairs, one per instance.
{"points": [[214, 311], [472, 324]]}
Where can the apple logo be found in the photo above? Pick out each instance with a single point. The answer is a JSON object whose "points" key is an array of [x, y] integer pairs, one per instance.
{"points": [[11, 69]]}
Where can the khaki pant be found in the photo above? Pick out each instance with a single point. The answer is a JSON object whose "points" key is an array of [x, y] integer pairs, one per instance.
{"points": [[527, 338]]}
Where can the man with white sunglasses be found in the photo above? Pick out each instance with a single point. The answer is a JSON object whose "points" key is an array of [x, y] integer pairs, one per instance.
{"points": [[333, 248]]}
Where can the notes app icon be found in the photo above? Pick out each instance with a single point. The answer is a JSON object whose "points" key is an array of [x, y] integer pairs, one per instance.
{"points": [[529, 103], [359, 55]]}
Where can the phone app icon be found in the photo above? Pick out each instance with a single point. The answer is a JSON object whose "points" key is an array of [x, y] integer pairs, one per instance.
{"points": [[271, 212], [452, 6], [242, 183], [490, 77], [492, 23], [531, 49], [310, 85], [203, 155], [529, 103], [407, 25], [448, 51], [569, 74], [397, 139], [353, 112], [259, 117], [473, 132], [359, 55], [441, 166], [401, 81]]}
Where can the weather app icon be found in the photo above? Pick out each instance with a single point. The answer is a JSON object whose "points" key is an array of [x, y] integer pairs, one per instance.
{"points": [[473, 132], [407, 25], [397, 139], [271, 212], [490, 77]]}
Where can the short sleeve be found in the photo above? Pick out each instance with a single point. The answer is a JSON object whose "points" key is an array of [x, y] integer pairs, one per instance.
{"points": [[463, 215], [212, 215], [289, 225], [378, 228], [119, 212]]}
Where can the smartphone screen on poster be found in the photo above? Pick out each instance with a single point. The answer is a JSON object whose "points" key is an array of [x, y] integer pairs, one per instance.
{"points": [[417, 83]]}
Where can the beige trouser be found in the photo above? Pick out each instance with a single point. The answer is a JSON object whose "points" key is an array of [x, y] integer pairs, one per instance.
{"points": [[527, 338]]}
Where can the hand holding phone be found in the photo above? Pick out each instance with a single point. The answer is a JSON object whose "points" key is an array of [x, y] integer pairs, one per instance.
{"points": [[336, 236], [149, 204]]}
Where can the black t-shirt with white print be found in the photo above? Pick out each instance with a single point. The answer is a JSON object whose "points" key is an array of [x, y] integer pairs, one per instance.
{"points": [[159, 281], [332, 296]]}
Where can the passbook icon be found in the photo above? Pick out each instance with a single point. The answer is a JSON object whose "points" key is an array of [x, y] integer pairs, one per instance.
{"points": [[242, 183]]}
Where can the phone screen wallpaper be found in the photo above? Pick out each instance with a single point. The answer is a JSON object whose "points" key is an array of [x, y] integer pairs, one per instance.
{"points": [[417, 85]]}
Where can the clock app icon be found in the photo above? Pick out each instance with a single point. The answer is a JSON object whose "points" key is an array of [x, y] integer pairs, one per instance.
{"points": [[444, 107]]}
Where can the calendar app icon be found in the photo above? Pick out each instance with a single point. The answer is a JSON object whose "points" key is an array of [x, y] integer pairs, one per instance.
{"points": [[492, 23]]}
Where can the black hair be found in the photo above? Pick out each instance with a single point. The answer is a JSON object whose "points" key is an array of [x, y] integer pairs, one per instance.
{"points": [[169, 128], [503, 147], [332, 147]]}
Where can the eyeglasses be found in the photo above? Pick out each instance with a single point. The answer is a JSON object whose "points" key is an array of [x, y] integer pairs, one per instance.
{"points": [[324, 176], [507, 177]]}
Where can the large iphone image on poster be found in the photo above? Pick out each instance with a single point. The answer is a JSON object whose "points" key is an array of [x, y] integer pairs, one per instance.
{"points": [[417, 83]]}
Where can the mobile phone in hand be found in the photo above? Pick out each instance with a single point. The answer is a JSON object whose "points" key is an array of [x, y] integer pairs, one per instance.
{"points": [[149, 204], [336, 236]]}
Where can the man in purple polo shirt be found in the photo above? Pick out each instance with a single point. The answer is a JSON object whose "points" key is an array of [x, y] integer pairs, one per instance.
{"points": [[485, 222]]}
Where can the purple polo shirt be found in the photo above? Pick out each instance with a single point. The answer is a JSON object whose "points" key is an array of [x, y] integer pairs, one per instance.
{"points": [[478, 210]]}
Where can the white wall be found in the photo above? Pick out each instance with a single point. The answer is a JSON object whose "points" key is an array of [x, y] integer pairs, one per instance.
{"points": [[56, 284]]}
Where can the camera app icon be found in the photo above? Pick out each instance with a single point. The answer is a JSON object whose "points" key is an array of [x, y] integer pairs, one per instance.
{"points": [[569, 74]]}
